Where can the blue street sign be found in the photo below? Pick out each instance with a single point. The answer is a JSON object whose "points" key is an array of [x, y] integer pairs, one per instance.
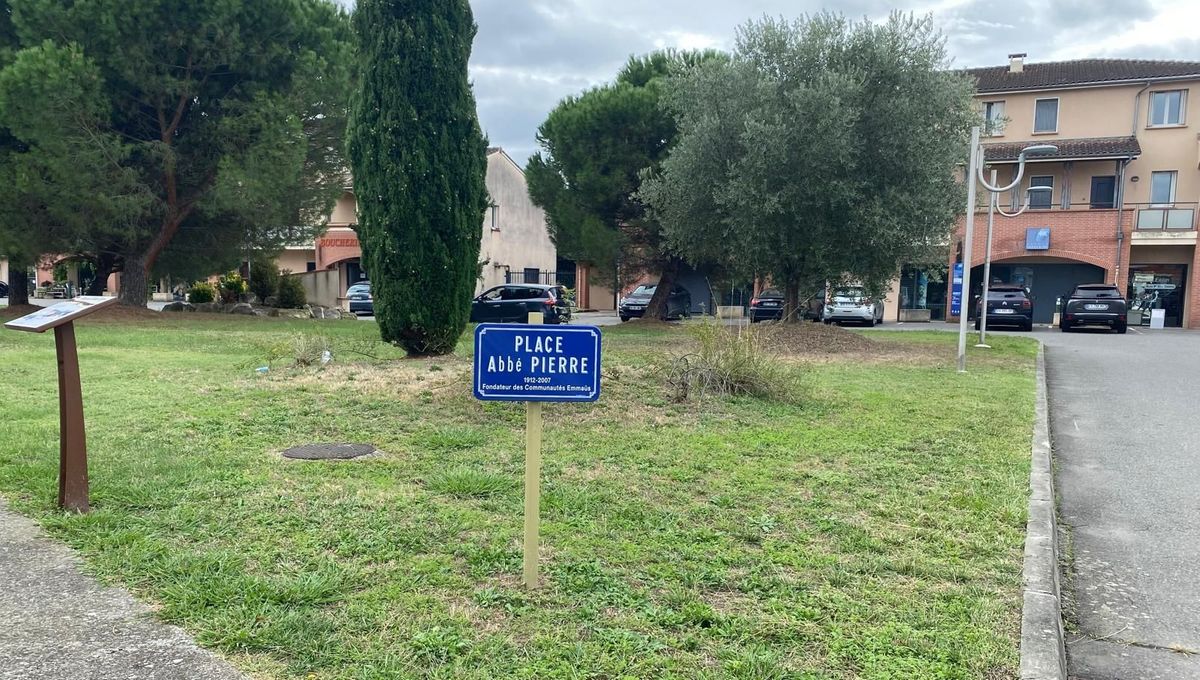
{"points": [[956, 290], [520, 362]]}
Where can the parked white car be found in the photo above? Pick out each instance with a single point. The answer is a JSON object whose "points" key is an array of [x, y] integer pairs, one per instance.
{"points": [[851, 305]]}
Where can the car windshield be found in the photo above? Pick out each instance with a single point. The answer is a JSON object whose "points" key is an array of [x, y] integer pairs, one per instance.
{"points": [[1097, 293], [360, 288], [1005, 293], [849, 295], [643, 291], [770, 293]]}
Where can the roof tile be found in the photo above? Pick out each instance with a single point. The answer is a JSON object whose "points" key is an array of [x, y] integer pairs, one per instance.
{"points": [[1095, 147], [1078, 72]]}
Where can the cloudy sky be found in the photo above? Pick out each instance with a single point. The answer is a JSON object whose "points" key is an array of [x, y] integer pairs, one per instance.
{"points": [[529, 54]]}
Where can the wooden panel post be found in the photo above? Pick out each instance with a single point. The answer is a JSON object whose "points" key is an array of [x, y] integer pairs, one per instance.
{"points": [[72, 454], [533, 480]]}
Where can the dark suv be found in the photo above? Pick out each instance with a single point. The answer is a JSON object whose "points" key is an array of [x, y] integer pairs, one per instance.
{"points": [[1094, 304], [1007, 306], [514, 301]]}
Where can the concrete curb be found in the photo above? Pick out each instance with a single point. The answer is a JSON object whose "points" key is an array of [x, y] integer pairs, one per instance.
{"points": [[1043, 652]]}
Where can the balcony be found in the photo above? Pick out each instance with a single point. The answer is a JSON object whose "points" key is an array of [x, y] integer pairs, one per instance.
{"points": [[1164, 224], [1170, 216]]}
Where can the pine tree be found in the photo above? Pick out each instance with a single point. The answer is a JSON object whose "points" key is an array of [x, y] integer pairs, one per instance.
{"points": [[419, 161]]}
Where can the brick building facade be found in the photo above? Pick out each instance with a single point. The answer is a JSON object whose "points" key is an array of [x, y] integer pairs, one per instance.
{"points": [[1124, 183]]}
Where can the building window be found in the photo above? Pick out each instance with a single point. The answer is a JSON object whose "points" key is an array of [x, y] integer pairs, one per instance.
{"points": [[1162, 187], [532, 275], [1167, 108], [1045, 115], [1041, 200], [310, 266], [495, 214], [1104, 192], [993, 119]]}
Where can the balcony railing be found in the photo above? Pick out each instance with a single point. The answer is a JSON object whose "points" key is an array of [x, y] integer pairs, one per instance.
{"points": [[1149, 216], [1166, 216]]}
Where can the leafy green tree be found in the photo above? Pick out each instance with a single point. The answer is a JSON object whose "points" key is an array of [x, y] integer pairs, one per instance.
{"points": [[218, 116], [419, 163], [825, 150], [64, 193], [594, 147]]}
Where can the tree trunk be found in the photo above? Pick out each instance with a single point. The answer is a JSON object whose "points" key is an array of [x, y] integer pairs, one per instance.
{"points": [[18, 283], [134, 279], [658, 308], [104, 268], [791, 303]]}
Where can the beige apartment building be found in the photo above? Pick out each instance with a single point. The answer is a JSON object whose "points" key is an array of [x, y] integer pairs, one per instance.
{"points": [[1125, 184]]}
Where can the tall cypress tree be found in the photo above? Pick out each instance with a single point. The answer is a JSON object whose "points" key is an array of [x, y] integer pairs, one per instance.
{"points": [[419, 161]]}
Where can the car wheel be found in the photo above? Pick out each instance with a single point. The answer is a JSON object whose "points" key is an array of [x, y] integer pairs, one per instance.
{"points": [[1028, 327], [976, 324], [1122, 329], [624, 319], [1064, 327]]}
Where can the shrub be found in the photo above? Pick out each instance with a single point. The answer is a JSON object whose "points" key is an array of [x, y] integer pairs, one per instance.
{"points": [[201, 292], [289, 292], [231, 285], [302, 350], [264, 277], [730, 362]]}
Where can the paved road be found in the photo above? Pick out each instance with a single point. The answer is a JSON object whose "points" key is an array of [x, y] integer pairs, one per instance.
{"points": [[1126, 432]]}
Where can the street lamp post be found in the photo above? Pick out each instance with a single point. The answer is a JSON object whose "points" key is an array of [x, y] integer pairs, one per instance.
{"points": [[975, 174], [993, 208]]}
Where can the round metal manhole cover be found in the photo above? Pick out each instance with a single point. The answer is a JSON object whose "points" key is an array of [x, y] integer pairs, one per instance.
{"points": [[329, 451]]}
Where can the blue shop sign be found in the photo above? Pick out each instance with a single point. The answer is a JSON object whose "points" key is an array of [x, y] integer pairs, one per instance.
{"points": [[522, 362], [1037, 238]]}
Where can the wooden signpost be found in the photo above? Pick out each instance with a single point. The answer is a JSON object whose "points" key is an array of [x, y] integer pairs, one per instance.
{"points": [[535, 363], [72, 451]]}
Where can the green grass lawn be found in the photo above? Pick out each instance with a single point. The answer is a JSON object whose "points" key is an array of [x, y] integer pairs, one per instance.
{"points": [[873, 529]]}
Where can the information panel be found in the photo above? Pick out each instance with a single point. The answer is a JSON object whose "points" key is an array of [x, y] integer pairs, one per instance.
{"points": [[59, 314], [519, 362]]}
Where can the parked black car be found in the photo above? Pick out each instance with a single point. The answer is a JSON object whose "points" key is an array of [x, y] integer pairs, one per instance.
{"points": [[512, 303], [361, 301], [766, 306], [1094, 304], [1007, 305], [3, 289], [679, 303]]}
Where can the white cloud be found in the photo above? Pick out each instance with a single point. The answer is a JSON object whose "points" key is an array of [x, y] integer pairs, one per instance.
{"points": [[529, 54]]}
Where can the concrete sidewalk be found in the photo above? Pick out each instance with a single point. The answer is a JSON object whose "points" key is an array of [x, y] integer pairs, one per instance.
{"points": [[57, 624]]}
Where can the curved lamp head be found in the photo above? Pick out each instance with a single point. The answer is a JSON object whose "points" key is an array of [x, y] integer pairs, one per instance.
{"points": [[1039, 150]]}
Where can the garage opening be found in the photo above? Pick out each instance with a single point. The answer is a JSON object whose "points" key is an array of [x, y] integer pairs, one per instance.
{"points": [[1047, 282]]}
